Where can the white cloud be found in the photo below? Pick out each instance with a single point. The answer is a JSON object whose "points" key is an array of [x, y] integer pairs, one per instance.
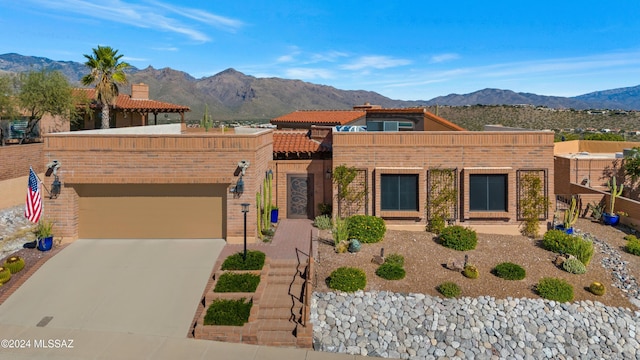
{"points": [[375, 62], [169, 48], [156, 15], [444, 58], [309, 73]]}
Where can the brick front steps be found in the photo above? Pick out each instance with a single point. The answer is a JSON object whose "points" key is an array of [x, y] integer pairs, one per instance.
{"points": [[276, 317]]}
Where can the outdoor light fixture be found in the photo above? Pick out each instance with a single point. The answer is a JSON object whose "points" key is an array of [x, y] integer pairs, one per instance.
{"points": [[56, 186], [239, 189], [245, 210], [328, 174]]}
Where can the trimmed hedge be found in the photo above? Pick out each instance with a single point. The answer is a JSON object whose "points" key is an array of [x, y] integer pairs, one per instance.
{"points": [[633, 247], [347, 279], [255, 261], [562, 243], [230, 282], [449, 289], [509, 271], [228, 312], [391, 271], [459, 238], [555, 289], [366, 228]]}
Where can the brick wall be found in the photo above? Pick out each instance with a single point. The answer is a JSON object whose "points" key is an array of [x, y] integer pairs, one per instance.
{"points": [[206, 158], [16, 160], [469, 152]]}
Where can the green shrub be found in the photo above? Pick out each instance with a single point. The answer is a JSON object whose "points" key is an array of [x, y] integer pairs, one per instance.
{"points": [[342, 247], [395, 259], [597, 288], [366, 228], [255, 261], [436, 224], [459, 238], [5, 275], [574, 266], [471, 271], [562, 243], [230, 282], [449, 289], [630, 237], [228, 312], [509, 271], [14, 264], [555, 289], [347, 279], [323, 222], [325, 209], [390, 271], [633, 247]]}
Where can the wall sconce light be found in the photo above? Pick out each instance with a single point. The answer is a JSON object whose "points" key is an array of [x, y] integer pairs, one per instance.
{"points": [[328, 174], [238, 189], [56, 186]]}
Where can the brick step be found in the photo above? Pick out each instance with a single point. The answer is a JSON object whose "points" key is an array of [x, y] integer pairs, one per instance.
{"points": [[283, 313], [277, 264], [277, 338], [277, 325], [285, 280]]}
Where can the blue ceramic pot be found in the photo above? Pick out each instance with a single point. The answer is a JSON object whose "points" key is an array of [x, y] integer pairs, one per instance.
{"points": [[45, 244], [610, 219]]}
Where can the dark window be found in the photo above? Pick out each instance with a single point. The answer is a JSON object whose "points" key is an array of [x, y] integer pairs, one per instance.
{"points": [[399, 192], [488, 192]]}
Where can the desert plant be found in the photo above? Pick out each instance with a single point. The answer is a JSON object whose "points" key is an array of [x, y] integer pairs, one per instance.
{"points": [[574, 266], [228, 312], [395, 259], [340, 230], [597, 288], [347, 279], [255, 261], [560, 242], [629, 237], [323, 222], [458, 238], [14, 264], [442, 198], [342, 247], [533, 204], [449, 289], [390, 271], [555, 289], [43, 229], [509, 271], [206, 121], [366, 228], [471, 271], [615, 192], [350, 196], [232, 282], [596, 210], [436, 224], [571, 214], [325, 209], [633, 247], [5, 275]]}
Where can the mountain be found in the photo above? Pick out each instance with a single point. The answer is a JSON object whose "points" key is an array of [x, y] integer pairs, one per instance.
{"points": [[232, 95]]}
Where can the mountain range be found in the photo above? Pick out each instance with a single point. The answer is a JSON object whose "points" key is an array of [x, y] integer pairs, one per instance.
{"points": [[232, 95]]}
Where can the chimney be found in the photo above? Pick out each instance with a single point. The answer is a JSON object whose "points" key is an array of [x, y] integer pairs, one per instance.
{"points": [[140, 91]]}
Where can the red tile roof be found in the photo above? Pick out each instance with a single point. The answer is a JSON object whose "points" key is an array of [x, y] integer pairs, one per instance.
{"points": [[296, 142], [125, 102], [323, 117]]}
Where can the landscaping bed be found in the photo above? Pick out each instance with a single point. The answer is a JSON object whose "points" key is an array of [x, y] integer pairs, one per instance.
{"points": [[425, 260]]}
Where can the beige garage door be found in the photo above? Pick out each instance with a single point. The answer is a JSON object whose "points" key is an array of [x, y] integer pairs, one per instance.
{"points": [[148, 211]]}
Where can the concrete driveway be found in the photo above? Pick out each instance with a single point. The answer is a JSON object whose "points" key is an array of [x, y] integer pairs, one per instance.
{"points": [[148, 287]]}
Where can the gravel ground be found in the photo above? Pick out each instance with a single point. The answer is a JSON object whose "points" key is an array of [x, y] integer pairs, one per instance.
{"points": [[424, 259]]}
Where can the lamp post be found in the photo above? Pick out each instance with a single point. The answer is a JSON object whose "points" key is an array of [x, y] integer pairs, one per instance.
{"points": [[245, 210]]}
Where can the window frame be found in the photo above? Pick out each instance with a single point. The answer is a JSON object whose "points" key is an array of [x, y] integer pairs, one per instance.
{"points": [[504, 207]]}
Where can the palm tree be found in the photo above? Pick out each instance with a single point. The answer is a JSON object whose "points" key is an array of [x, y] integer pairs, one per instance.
{"points": [[106, 73]]}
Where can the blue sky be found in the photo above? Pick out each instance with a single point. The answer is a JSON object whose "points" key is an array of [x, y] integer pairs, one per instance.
{"points": [[409, 50]]}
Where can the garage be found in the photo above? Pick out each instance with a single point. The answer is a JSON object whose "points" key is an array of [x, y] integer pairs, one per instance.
{"points": [[151, 211]]}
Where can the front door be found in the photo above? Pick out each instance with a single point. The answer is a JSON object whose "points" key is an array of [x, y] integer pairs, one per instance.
{"points": [[299, 196]]}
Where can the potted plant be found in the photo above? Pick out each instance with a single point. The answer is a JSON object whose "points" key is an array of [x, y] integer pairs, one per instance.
{"points": [[274, 214], [44, 234], [611, 218], [570, 216]]}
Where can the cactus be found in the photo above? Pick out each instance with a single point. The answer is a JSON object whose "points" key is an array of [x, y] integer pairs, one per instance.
{"points": [[615, 192], [571, 214], [14, 264], [259, 215], [206, 122], [5, 275]]}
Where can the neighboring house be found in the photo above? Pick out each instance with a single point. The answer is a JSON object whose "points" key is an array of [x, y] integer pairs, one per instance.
{"points": [[304, 119]]}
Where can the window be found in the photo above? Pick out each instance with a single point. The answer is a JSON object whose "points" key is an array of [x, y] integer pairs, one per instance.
{"points": [[488, 192], [399, 192]]}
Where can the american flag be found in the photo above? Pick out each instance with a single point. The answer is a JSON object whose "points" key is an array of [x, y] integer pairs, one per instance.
{"points": [[33, 207]]}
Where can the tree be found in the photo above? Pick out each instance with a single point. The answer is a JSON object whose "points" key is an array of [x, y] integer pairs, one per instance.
{"points": [[7, 105], [42, 92], [107, 71]]}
